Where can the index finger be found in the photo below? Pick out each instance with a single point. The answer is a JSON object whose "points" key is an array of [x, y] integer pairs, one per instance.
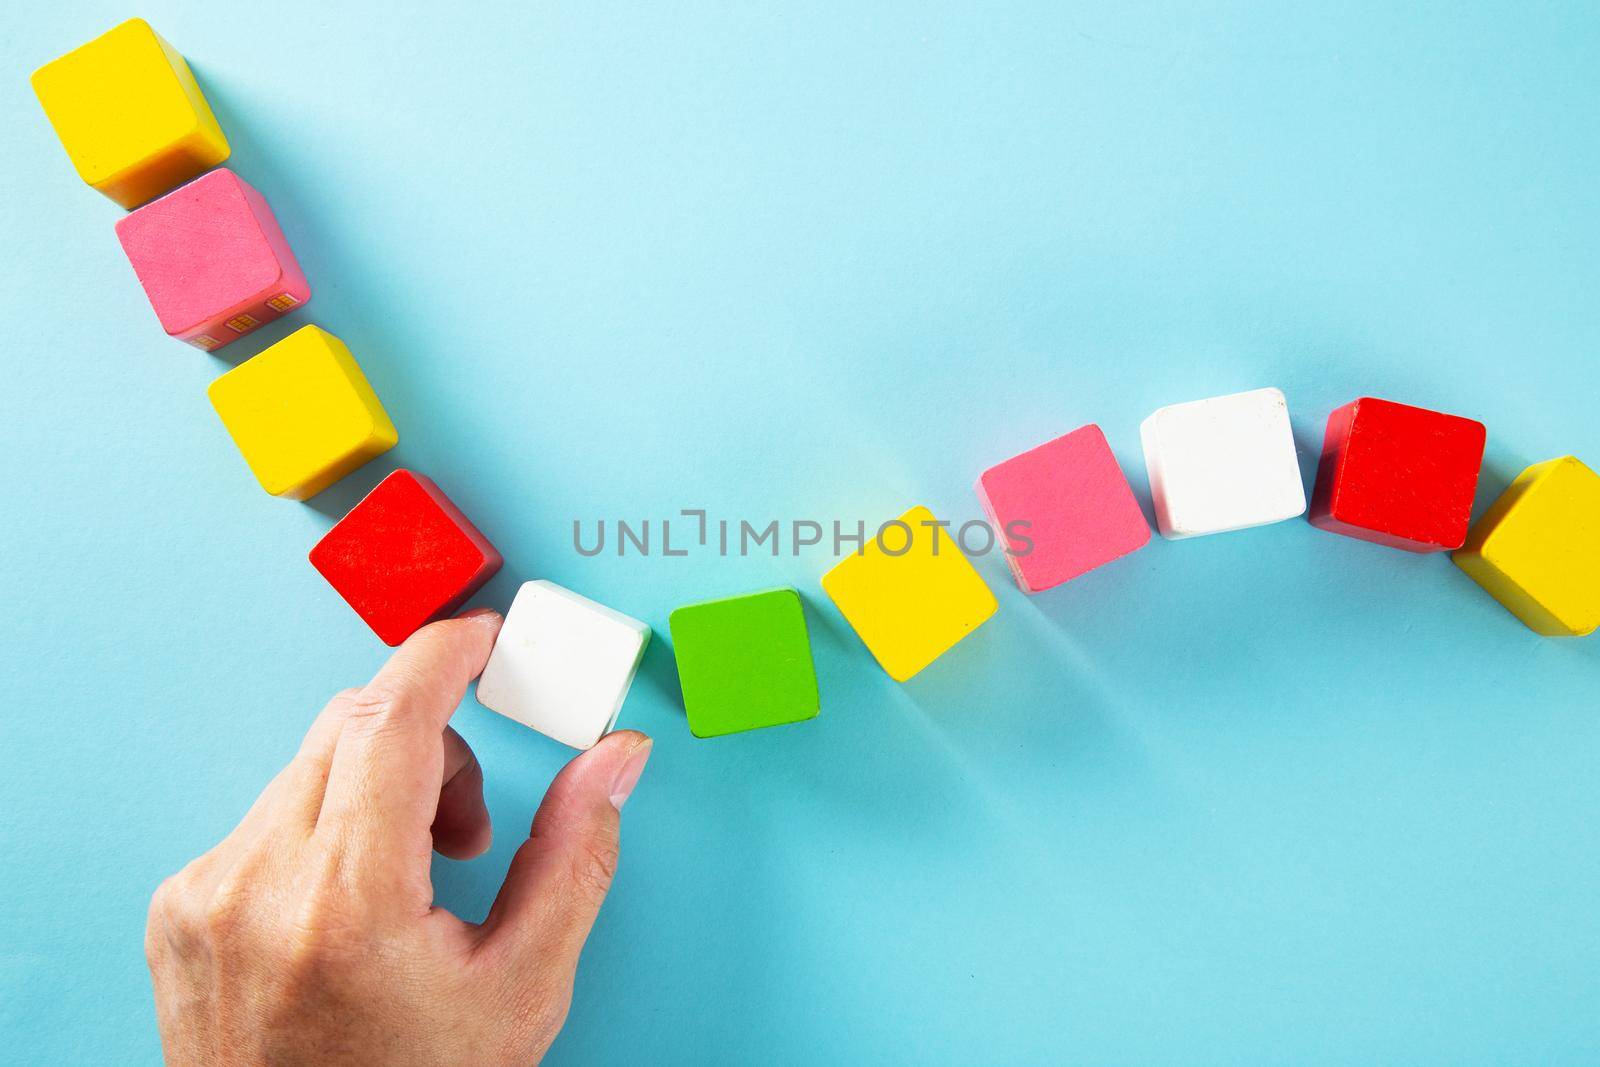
{"points": [[388, 763]]}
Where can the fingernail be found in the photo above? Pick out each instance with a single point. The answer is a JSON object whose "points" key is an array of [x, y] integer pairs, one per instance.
{"points": [[628, 776], [479, 613]]}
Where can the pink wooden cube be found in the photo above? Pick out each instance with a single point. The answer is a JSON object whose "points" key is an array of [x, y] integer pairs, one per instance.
{"points": [[212, 260], [1064, 508]]}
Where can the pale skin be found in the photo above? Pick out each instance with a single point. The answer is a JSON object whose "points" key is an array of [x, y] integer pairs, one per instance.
{"points": [[309, 934]]}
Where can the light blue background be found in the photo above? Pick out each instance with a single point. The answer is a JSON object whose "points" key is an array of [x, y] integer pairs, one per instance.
{"points": [[1276, 796]]}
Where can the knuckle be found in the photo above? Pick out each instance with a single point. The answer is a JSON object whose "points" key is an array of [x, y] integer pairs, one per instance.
{"points": [[370, 713], [176, 902], [178, 917], [162, 918], [165, 895], [541, 1011], [594, 865], [372, 702], [342, 702], [226, 914], [322, 927]]}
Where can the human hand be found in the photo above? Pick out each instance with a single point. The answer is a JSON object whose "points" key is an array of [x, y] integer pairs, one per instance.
{"points": [[309, 935]]}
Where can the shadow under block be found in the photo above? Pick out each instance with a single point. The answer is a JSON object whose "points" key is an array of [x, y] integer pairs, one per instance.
{"points": [[562, 664], [1398, 475], [213, 260], [744, 662], [1069, 505], [404, 556], [1537, 548], [1224, 463], [129, 114], [302, 414], [909, 607]]}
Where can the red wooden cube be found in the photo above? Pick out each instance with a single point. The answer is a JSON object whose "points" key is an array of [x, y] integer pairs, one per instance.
{"points": [[404, 556], [1398, 475]]}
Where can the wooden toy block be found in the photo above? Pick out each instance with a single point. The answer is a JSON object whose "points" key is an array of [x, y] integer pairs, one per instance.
{"points": [[1064, 508], [1537, 548], [302, 414], [744, 662], [1225, 463], [562, 664], [404, 556], [910, 606], [1398, 475], [129, 114], [212, 260]]}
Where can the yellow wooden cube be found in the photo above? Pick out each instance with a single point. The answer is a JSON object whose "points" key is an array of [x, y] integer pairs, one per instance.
{"points": [[130, 115], [1537, 548], [302, 413], [909, 607]]}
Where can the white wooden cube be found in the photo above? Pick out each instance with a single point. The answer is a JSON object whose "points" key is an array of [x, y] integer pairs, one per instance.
{"points": [[562, 664], [1222, 464]]}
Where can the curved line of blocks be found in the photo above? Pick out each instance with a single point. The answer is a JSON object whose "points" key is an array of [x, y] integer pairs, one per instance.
{"points": [[215, 265]]}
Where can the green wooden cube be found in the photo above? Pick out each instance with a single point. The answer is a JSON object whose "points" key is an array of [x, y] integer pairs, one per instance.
{"points": [[744, 662]]}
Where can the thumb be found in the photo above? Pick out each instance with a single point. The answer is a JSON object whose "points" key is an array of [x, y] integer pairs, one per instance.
{"points": [[560, 876]]}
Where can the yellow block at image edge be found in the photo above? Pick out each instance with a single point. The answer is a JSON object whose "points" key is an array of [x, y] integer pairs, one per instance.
{"points": [[1537, 548], [130, 115], [302, 413]]}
